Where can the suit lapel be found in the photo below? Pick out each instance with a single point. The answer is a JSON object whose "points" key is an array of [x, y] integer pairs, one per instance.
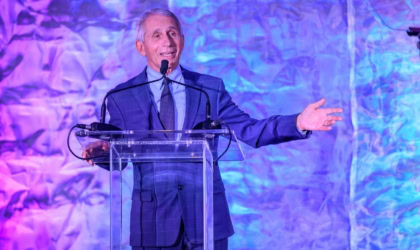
{"points": [[193, 99], [145, 101]]}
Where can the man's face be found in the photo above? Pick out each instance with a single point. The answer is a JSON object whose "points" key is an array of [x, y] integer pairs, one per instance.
{"points": [[162, 40]]}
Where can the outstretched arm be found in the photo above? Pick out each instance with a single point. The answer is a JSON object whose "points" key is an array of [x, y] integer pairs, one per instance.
{"points": [[256, 133]]}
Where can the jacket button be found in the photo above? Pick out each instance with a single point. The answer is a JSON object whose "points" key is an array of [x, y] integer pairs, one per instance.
{"points": [[180, 187]]}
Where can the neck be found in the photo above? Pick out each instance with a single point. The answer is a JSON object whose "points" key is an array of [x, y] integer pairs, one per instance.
{"points": [[169, 71], [171, 68]]}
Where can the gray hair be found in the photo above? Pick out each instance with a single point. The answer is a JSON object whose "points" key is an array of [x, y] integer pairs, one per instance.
{"points": [[156, 11]]}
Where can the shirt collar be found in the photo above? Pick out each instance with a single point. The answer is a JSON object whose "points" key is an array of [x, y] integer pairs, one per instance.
{"points": [[154, 75]]}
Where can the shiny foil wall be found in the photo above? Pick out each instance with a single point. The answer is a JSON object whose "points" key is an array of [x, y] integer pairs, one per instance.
{"points": [[355, 187]]}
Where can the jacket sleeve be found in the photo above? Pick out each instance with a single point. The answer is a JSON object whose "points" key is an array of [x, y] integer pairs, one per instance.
{"points": [[116, 119], [256, 133], [115, 114]]}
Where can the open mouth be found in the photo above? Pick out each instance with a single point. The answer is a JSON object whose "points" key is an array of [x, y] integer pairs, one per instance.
{"points": [[168, 54]]}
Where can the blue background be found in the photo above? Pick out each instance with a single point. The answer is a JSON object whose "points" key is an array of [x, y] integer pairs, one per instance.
{"points": [[355, 187]]}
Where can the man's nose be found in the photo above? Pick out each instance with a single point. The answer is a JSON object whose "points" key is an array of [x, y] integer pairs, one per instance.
{"points": [[168, 40]]}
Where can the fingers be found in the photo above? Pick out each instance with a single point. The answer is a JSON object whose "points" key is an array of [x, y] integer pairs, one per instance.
{"points": [[334, 118], [319, 103], [325, 128], [97, 148], [87, 154], [105, 146], [329, 122], [333, 110]]}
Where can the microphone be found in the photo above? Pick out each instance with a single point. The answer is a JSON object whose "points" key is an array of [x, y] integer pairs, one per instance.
{"points": [[102, 126], [96, 126], [164, 67], [413, 31], [208, 123]]}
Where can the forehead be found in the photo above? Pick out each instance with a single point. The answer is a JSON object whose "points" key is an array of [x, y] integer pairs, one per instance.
{"points": [[159, 22]]}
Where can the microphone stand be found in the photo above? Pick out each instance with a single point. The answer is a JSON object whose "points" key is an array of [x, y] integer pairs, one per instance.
{"points": [[208, 123]]}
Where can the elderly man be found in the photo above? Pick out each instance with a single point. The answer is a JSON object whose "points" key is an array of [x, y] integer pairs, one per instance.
{"points": [[163, 214]]}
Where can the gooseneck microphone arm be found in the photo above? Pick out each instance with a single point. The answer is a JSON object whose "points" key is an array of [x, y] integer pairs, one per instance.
{"points": [[208, 108], [163, 70], [208, 123], [103, 107]]}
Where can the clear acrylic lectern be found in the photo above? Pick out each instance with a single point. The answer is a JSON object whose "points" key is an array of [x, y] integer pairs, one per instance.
{"points": [[170, 155]]}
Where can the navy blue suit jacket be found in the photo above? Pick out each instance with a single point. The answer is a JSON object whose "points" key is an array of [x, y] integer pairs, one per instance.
{"points": [[158, 204]]}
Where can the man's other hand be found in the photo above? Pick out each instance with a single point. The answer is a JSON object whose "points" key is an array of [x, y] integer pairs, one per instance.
{"points": [[97, 148], [315, 118]]}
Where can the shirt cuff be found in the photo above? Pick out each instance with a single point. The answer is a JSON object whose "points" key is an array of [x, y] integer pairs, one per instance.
{"points": [[302, 132]]}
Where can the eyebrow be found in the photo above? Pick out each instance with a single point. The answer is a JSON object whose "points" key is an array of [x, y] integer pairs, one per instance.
{"points": [[169, 28]]}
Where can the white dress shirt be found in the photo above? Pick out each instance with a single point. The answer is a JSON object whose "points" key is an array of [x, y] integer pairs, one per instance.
{"points": [[177, 90]]}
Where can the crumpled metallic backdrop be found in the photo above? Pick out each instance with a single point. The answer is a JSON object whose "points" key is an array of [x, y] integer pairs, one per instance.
{"points": [[356, 186]]}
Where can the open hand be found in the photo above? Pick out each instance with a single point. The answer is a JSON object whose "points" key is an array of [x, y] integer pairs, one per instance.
{"points": [[97, 148], [315, 118]]}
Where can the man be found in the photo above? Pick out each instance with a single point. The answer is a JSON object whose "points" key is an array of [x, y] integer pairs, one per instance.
{"points": [[164, 215]]}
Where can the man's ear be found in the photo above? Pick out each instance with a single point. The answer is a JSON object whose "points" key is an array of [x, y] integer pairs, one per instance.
{"points": [[140, 48]]}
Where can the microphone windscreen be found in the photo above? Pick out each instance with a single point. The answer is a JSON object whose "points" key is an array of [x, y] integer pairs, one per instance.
{"points": [[97, 126], [164, 67]]}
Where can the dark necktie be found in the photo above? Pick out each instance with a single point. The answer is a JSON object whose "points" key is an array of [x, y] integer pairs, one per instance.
{"points": [[167, 107]]}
